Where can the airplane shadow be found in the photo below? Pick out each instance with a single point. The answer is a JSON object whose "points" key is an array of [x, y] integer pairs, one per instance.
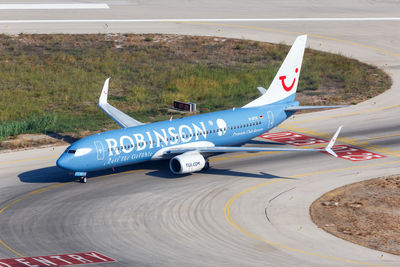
{"points": [[228, 172], [164, 172], [46, 175], [57, 175], [159, 169], [66, 138]]}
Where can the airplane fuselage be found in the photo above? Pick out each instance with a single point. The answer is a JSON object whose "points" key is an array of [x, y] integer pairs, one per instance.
{"points": [[149, 142]]}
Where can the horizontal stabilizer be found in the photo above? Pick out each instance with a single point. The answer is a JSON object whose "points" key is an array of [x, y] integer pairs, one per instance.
{"points": [[296, 108], [118, 116], [262, 90]]}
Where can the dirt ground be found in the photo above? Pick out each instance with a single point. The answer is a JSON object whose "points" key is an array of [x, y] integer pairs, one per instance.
{"points": [[366, 213], [27, 141]]}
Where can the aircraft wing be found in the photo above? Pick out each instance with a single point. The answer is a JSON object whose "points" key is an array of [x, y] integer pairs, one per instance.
{"points": [[296, 108], [219, 149], [118, 116]]}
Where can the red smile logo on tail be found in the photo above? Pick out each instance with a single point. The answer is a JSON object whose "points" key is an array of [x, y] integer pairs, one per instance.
{"points": [[283, 78]]}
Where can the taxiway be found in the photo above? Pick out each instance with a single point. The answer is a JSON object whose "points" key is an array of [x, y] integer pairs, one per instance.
{"points": [[249, 209]]}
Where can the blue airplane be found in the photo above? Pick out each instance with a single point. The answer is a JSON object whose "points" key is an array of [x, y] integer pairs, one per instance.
{"points": [[189, 142]]}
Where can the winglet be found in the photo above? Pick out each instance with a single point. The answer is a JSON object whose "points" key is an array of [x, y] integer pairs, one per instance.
{"points": [[118, 116], [104, 93], [328, 148]]}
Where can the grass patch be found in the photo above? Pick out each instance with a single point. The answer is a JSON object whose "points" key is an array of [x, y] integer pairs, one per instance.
{"points": [[32, 124], [62, 75]]}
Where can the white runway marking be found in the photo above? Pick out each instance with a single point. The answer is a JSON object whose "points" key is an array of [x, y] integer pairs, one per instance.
{"points": [[53, 6], [199, 20]]}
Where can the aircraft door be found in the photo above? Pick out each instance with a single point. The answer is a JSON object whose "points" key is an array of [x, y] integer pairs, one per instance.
{"points": [[270, 116], [100, 150]]}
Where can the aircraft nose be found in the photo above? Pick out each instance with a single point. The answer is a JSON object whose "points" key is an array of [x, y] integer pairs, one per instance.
{"points": [[62, 162]]}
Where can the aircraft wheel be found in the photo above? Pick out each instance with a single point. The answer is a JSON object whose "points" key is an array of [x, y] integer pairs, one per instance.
{"points": [[83, 180]]}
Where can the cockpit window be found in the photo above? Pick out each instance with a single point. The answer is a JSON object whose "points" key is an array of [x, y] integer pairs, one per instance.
{"points": [[71, 151]]}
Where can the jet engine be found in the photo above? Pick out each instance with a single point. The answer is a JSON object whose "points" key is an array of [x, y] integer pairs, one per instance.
{"points": [[187, 162]]}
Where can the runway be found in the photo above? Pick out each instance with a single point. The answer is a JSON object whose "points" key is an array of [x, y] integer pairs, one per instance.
{"points": [[248, 209]]}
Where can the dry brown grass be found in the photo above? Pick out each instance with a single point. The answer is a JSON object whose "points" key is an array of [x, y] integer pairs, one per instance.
{"points": [[366, 213]]}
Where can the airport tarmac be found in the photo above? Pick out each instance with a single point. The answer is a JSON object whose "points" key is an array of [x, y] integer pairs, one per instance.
{"points": [[248, 209]]}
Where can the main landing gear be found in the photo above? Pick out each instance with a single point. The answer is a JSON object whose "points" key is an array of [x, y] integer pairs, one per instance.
{"points": [[206, 165], [82, 177]]}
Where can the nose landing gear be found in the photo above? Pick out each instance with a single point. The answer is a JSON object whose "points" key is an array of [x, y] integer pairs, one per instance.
{"points": [[82, 176]]}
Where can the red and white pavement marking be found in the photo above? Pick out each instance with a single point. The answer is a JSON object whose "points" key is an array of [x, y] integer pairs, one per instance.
{"points": [[294, 139], [343, 151], [354, 154], [57, 260]]}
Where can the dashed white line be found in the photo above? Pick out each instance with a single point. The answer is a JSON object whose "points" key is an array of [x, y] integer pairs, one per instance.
{"points": [[199, 20], [54, 6]]}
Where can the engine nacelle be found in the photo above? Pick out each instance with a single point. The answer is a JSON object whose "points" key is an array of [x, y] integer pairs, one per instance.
{"points": [[188, 162]]}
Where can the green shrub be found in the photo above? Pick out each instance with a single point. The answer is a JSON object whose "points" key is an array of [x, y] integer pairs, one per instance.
{"points": [[32, 124]]}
